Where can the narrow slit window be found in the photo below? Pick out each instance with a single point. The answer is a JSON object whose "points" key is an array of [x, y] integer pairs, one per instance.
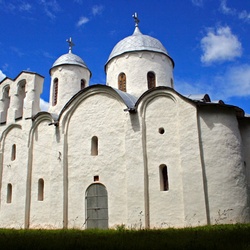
{"points": [[55, 91], [40, 189], [83, 84], [13, 152], [9, 193], [122, 82], [164, 184], [94, 145], [151, 80]]}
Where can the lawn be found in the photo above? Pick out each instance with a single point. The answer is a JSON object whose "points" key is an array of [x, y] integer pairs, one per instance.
{"points": [[208, 237]]}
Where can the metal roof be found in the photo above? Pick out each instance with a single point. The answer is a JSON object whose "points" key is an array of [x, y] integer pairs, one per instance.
{"points": [[137, 42], [69, 58]]}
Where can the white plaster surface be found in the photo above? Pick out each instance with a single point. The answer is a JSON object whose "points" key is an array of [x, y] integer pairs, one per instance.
{"points": [[204, 146], [136, 80]]}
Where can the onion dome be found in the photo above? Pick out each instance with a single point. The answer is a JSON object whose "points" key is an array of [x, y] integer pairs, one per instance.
{"points": [[138, 42]]}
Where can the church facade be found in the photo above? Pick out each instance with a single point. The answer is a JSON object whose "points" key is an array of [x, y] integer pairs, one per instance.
{"points": [[133, 152]]}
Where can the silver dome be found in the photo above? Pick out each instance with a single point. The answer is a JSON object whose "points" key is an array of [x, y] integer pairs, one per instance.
{"points": [[71, 59], [137, 42]]}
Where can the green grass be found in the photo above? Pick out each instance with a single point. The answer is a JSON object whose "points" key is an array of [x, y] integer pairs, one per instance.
{"points": [[207, 237]]}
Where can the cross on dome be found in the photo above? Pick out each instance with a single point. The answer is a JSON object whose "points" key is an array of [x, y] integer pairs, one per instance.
{"points": [[135, 16], [71, 44]]}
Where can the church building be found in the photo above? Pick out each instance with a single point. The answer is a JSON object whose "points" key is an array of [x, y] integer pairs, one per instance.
{"points": [[132, 152]]}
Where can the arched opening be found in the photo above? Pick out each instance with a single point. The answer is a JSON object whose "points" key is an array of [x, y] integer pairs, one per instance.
{"points": [[9, 193], [164, 185], [94, 145], [13, 152], [122, 82], [151, 79], [83, 84], [55, 91], [21, 94], [6, 103], [96, 206], [40, 189]]}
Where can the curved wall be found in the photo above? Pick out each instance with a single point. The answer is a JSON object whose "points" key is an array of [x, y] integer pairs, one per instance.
{"points": [[136, 65]]}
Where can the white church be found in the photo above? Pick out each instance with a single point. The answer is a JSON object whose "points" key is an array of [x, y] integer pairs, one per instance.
{"points": [[133, 152]]}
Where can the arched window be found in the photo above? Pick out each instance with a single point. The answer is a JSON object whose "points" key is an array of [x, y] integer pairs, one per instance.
{"points": [[13, 152], [55, 91], [94, 145], [83, 84], [151, 79], [122, 82], [164, 185], [9, 193], [40, 189]]}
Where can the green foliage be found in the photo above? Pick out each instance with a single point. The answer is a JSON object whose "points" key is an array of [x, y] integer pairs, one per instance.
{"points": [[208, 237]]}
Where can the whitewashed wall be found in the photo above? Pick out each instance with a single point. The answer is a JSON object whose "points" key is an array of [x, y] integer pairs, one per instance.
{"points": [[224, 165], [101, 116], [136, 65], [69, 83]]}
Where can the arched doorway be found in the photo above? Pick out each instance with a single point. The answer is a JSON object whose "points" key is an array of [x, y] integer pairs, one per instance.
{"points": [[96, 206]]}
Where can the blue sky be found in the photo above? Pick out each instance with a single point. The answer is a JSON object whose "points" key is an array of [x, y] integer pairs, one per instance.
{"points": [[208, 39]]}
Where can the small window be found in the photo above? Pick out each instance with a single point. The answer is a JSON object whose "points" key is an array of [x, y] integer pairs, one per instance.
{"points": [[96, 178], [122, 82], [151, 80], [94, 145], [164, 185], [55, 91], [83, 84], [161, 131], [40, 189], [9, 193], [13, 152]]}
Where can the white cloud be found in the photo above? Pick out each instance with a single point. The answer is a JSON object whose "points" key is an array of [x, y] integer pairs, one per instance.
{"points": [[25, 6], [188, 87], [97, 10], [82, 21], [44, 105], [220, 45], [17, 51], [198, 3], [48, 55], [225, 9], [51, 7], [13, 6], [243, 14], [2, 75], [234, 82]]}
